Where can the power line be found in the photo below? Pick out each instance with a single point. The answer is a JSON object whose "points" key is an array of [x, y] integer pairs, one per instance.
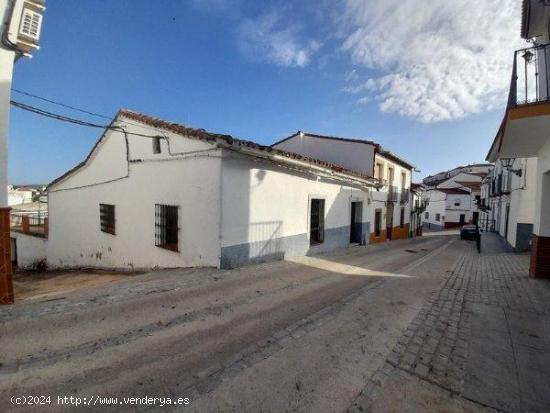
{"points": [[60, 104], [68, 119], [79, 109]]}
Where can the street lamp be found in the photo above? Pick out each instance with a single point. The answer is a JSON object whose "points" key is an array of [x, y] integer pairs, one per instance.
{"points": [[508, 163]]}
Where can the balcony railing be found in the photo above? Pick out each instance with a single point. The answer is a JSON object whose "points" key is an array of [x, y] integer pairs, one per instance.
{"points": [[393, 193], [405, 194], [530, 76]]}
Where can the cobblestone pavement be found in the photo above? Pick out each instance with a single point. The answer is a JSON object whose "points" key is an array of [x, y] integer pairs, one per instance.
{"points": [[482, 338], [300, 335]]}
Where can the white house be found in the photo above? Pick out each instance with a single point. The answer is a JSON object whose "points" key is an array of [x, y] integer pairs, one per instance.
{"points": [[453, 196], [508, 202], [523, 132], [157, 194], [479, 169], [22, 194], [391, 208], [447, 208]]}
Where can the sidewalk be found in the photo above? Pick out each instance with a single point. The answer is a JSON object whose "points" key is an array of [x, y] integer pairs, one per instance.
{"points": [[481, 342]]}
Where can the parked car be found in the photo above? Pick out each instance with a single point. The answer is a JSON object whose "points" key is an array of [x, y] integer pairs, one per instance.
{"points": [[468, 232]]}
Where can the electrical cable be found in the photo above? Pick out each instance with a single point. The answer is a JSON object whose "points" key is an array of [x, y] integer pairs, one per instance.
{"points": [[60, 104], [68, 119]]}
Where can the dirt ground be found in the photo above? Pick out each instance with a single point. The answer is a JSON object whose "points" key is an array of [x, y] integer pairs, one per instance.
{"points": [[43, 286], [300, 335]]}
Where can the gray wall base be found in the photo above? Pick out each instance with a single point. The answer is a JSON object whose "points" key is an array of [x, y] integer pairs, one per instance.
{"points": [[294, 246]]}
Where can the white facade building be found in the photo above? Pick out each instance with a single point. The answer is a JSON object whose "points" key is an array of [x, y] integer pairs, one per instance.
{"points": [[156, 194], [453, 196], [523, 132], [447, 208], [508, 202], [389, 215]]}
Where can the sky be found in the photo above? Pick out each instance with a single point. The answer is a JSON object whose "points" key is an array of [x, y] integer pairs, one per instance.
{"points": [[426, 80]]}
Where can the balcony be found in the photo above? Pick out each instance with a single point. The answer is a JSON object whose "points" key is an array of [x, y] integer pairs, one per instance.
{"points": [[393, 193], [528, 110], [530, 76]]}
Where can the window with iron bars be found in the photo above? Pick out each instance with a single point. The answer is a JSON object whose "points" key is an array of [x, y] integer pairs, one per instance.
{"points": [[107, 218], [166, 227]]}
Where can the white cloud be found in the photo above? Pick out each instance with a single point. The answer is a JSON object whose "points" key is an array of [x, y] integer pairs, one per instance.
{"points": [[438, 59], [273, 39]]}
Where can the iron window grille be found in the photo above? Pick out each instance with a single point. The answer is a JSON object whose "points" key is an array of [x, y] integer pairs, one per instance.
{"points": [[166, 227], [156, 145], [107, 218], [317, 222], [438, 217]]}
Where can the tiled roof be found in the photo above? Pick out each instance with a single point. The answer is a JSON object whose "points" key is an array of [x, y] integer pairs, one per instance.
{"points": [[203, 135], [212, 137], [471, 185], [455, 191]]}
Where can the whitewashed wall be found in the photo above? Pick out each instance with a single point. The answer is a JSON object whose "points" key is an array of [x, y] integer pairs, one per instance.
{"points": [[265, 211], [444, 204], [380, 197], [353, 155], [30, 250], [191, 182]]}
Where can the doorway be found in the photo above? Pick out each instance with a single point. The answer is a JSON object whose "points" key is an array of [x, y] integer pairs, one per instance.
{"points": [[13, 246], [475, 218], [506, 222], [389, 221], [462, 219], [356, 224]]}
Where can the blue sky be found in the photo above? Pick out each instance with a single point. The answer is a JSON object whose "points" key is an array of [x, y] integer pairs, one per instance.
{"points": [[432, 90]]}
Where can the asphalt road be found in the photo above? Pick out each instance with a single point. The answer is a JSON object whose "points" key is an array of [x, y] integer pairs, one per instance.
{"points": [[304, 335]]}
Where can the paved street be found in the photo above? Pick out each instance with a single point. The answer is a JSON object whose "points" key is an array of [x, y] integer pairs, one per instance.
{"points": [[423, 324], [480, 341]]}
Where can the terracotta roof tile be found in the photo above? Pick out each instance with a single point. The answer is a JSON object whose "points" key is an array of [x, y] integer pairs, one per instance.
{"points": [[203, 135]]}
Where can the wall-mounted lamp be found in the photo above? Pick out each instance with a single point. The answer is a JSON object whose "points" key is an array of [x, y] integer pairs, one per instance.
{"points": [[528, 56], [508, 163]]}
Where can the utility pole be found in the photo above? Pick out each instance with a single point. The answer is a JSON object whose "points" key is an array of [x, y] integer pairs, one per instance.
{"points": [[20, 32]]}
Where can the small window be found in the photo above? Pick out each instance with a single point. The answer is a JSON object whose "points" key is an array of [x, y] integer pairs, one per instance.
{"points": [[427, 215], [317, 222], [402, 218], [379, 171], [438, 217], [156, 144], [166, 227], [107, 218], [457, 203], [377, 222]]}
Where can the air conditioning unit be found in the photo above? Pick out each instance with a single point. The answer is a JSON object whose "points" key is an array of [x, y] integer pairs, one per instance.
{"points": [[31, 22], [25, 23]]}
